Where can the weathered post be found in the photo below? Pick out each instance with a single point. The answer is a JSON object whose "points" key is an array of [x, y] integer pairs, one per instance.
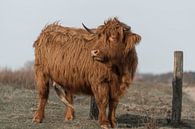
{"points": [[177, 88], [93, 114]]}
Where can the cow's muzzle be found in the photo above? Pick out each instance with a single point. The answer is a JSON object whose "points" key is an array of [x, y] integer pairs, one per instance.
{"points": [[95, 53], [97, 56]]}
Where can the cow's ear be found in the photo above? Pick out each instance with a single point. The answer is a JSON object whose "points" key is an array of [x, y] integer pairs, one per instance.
{"points": [[132, 40]]}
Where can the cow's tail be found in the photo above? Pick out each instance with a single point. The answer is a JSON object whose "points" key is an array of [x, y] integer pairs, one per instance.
{"points": [[61, 95]]}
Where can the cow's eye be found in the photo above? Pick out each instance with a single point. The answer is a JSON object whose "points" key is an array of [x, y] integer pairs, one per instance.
{"points": [[126, 29], [112, 38]]}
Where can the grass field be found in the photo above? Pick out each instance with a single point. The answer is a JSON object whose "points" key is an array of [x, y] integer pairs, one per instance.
{"points": [[145, 106]]}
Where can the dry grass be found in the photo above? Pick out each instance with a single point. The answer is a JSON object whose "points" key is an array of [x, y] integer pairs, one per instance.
{"points": [[148, 106], [145, 106], [23, 77]]}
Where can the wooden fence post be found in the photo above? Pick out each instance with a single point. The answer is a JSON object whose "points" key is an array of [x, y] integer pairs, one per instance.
{"points": [[93, 109], [177, 88]]}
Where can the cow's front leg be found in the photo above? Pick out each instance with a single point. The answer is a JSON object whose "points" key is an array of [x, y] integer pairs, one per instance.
{"points": [[101, 94], [112, 112]]}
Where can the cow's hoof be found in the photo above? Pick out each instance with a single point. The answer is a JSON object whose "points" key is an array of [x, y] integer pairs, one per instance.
{"points": [[69, 117], [37, 118], [113, 124], [104, 126]]}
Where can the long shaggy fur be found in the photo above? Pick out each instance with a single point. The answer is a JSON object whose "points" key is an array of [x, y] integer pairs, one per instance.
{"points": [[63, 54]]}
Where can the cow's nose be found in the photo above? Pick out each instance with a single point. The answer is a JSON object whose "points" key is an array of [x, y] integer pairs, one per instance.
{"points": [[94, 52]]}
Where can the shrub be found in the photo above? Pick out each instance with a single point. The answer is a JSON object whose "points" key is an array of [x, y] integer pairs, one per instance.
{"points": [[23, 77]]}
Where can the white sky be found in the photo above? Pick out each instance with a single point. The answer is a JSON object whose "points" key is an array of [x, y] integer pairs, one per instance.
{"points": [[165, 26]]}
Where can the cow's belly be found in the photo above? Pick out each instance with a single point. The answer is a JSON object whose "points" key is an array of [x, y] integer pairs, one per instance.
{"points": [[75, 83]]}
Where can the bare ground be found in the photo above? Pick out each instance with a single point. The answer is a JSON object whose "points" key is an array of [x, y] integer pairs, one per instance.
{"points": [[145, 106]]}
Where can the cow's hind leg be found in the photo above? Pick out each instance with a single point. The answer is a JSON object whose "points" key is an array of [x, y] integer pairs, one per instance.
{"points": [[69, 114], [43, 90]]}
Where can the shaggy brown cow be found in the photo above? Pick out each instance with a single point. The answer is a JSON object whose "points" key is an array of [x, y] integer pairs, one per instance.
{"points": [[101, 64]]}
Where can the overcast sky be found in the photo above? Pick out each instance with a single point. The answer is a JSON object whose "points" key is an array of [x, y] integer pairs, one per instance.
{"points": [[165, 26]]}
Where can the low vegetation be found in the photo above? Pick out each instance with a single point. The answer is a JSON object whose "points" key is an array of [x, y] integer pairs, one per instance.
{"points": [[23, 77]]}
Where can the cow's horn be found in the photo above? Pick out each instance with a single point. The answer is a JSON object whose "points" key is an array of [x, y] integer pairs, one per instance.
{"points": [[87, 29]]}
